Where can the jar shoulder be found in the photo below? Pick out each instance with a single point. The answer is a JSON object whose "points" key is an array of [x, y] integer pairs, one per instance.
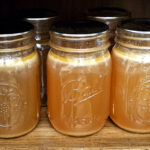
{"points": [[19, 60], [78, 59], [135, 55]]}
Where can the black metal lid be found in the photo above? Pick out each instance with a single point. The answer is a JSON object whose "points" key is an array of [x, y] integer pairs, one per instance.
{"points": [[138, 24], [37, 13], [78, 27], [14, 27], [108, 12]]}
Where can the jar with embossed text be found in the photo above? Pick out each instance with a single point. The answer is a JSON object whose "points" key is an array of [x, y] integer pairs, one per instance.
{"points": [[78, 77], [130, 94], [19, 79]]}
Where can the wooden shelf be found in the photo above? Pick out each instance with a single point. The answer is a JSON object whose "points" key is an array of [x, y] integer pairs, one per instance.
{"points": [[44, 137]]}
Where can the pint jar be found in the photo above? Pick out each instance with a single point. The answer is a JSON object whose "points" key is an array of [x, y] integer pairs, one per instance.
{"points": [[111, 16], [130, 93], [19, 79], [41, 19], [78, 77]]}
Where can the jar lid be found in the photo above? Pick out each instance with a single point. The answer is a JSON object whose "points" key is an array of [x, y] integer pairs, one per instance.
{"points": [[13, 28], [108, 12], [37, 14], [83, 36], [78, 28], [134, 33], [16, 35], [136, 25]]}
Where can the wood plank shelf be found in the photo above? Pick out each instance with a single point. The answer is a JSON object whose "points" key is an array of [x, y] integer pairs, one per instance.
{"points": [[44, 137]]}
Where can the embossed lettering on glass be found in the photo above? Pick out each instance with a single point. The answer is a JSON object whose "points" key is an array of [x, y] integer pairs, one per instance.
{"points": [[78, 77], [111, 16], [41, 19], [19, 79], [130, 107]]}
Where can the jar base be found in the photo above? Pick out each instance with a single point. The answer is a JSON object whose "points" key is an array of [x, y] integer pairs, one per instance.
{"points": [[77, 134], [22, 134], [129, 129]]}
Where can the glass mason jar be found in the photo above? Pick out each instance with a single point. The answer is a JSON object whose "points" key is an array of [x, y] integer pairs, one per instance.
{"points": [[78, 77], [130, 97], [111, 16], [41, 19], [19, 79]]}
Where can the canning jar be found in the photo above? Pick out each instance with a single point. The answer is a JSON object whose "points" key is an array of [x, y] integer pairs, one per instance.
{"points": [[78, 77], [130, 93], [111, 16], [19, 79], [41, 19]]}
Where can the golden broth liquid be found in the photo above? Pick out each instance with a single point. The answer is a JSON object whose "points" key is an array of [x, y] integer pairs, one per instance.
{"points": [[19, 95], [130, 93], [78, 93]]}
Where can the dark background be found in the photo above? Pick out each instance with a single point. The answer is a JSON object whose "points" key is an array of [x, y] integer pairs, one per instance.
{"points": [[139, 8]]}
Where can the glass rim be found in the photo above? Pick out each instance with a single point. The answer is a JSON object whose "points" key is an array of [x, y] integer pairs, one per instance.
{"points": [[121, 26], [78, 28], [65, 35], [112, 12], [17, 34], [39, 19]]}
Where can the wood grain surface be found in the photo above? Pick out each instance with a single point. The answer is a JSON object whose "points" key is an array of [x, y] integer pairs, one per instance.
{"points": [[44, 137]]}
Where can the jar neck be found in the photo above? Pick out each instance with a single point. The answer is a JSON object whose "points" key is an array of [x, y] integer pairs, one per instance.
{"points": [[41, 26], [111, 21], [76, 56], [81, 44], [17, 42], [42, 36], [138, 40], [41, 30]]}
